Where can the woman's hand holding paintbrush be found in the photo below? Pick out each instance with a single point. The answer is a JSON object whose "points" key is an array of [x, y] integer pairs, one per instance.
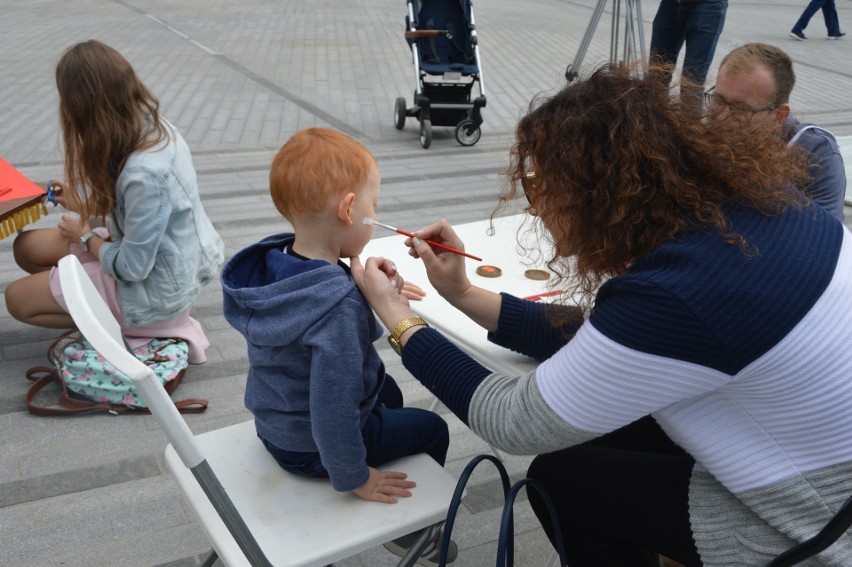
{"points": [[447, 274], [430, 242]]}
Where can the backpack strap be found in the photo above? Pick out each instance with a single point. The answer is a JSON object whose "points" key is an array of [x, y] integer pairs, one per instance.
{"points": [[41, 376]]}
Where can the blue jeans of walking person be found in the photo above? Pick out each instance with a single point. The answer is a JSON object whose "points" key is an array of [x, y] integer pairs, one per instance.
{"points": [[389, 434], [698, 25], [829, 13]]}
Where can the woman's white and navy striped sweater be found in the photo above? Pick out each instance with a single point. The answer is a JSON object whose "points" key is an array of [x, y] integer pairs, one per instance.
{"points": [[745, 360]]}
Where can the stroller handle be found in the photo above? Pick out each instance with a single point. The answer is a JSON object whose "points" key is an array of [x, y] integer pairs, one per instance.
{"points": [[418, 34]]}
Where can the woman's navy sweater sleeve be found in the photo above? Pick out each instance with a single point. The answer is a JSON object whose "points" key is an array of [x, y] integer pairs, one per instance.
{"points": [[453, 376], [524, 327], [444, 369]]}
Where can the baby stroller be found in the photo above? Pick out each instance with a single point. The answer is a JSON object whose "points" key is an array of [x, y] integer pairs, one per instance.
{"points": [[444, 49]]}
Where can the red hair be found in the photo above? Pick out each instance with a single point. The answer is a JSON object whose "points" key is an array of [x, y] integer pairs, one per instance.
{"points": [[314, 166]]}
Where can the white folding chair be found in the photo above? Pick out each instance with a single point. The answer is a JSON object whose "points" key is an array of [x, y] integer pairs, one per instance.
{"points": [[253, 512]]}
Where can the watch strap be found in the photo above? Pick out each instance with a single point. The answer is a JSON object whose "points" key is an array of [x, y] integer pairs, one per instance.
{"points": [[401, 327], [84, 240]]}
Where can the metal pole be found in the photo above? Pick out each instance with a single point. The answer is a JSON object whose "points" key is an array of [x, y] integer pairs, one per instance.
{"points": [[633, 33]]}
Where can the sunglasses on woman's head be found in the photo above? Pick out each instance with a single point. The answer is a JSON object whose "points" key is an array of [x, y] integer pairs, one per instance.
{"points": [[528, 185]]}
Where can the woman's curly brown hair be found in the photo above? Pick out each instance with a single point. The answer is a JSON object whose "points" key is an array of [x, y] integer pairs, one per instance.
{"points": [[620, 167]]}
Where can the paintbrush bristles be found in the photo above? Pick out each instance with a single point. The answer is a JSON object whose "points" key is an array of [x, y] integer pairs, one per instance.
{"points": [[368, 220]]}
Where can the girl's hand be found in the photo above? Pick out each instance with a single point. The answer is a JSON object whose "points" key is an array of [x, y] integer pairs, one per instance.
{"points": [[73, 228], [383, 486], [445, 269], [66, 196]]}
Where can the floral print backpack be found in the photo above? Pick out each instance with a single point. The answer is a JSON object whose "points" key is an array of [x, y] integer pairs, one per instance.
{"points": [[89, 382]]}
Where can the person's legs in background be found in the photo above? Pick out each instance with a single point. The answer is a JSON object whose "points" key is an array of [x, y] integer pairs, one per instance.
{"points": [[832, 22], [667, 36], [621, 498], [805, 18], [703, 25]]}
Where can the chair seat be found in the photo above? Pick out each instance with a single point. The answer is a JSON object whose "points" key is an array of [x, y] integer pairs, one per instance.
{"points": [[302, 521]]}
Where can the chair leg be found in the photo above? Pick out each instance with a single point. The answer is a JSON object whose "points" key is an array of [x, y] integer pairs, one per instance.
{"points": [[434, 404], [209, 559], [416, 550]]}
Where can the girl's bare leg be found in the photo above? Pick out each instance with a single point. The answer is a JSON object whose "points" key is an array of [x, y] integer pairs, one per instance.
{"points": [[29, 300], [39, 250]]}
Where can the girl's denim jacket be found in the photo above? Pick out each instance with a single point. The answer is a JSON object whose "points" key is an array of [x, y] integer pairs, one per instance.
{"points": [[164, 249]]}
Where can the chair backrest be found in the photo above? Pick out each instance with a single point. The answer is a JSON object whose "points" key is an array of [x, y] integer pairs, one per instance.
{"points": [[97, 323]]}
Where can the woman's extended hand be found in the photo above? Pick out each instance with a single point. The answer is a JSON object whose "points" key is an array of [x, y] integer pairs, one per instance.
{"points": [[379, 281], [383, 486], [445, 269]]}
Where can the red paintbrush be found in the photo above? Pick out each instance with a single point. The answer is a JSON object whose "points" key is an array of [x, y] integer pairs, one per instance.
{"points": [[538, 296], [429, 242]]}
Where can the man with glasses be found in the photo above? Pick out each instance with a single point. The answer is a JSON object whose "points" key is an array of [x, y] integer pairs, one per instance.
{"points": [[754, 84]]}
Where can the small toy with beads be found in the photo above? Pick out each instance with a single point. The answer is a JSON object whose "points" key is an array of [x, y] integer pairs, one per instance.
{"points": [[21, 200]]}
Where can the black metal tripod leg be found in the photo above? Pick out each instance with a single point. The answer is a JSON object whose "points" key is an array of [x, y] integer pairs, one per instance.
{"points": [[573, 69]]}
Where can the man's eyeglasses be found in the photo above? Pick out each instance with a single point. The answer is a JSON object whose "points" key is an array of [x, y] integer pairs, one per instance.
{"points": [[716, 102]]}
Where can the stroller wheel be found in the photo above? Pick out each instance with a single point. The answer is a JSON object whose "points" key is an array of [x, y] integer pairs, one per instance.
{"points": [[465, 135], [426, 133], [399, 113]]}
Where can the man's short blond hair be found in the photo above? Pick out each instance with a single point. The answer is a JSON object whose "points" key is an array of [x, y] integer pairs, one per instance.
{"points": [[743, 58]]}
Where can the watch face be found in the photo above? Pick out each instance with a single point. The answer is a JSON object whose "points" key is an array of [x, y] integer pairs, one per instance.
{"points": [[84, 240], [395, 345]]}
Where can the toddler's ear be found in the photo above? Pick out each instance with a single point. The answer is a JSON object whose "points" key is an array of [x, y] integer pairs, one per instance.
{"points": [[344, 208]]}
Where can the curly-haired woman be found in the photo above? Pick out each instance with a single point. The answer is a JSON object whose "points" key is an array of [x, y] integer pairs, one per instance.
{"points": [[129, 167], [703, 409]]}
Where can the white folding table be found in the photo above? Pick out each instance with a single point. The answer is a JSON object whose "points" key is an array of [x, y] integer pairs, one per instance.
{"points": [[498, 247]]}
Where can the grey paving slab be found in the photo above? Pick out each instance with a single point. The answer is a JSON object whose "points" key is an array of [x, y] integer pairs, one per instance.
{"points": [[238, 78]]}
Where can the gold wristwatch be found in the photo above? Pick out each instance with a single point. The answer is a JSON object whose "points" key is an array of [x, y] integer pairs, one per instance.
{"points": [[400, 328]]}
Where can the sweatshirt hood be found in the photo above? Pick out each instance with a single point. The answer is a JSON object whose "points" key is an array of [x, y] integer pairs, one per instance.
{"points": [[262, 281]]}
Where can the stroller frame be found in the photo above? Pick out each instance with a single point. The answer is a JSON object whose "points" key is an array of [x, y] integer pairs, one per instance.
{"points": [[443, 98]]}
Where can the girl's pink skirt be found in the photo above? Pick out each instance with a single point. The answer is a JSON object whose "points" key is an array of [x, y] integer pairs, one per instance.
{"points": [[182, 326]]}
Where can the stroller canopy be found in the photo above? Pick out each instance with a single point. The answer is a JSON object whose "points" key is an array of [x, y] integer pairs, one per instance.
{"points": [[445, 53]]}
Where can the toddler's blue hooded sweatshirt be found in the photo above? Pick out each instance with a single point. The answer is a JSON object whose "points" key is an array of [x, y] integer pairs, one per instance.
{"points": [[314, 373]]}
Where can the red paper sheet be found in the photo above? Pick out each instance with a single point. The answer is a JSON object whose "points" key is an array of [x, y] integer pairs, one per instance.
{"points": [[13, 184]]}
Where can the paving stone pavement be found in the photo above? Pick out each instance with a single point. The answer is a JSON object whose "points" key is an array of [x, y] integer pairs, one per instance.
{"points": [[238, 78]]}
